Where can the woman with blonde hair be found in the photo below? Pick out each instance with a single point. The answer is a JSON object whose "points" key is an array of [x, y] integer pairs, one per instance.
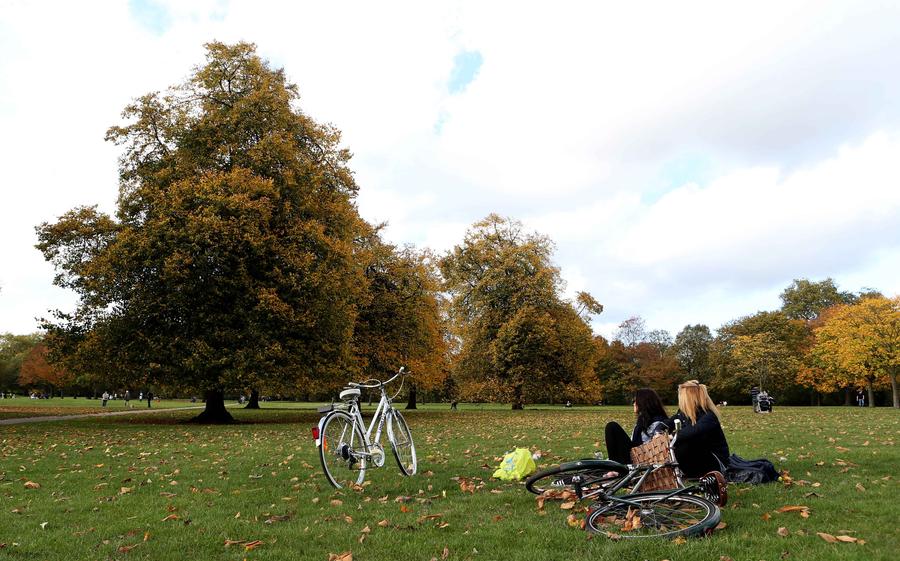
{"points": [[701, 446]]}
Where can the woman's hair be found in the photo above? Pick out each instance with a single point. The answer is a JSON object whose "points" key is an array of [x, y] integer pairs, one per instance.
{"points": [[693, 398], [649, 406]]}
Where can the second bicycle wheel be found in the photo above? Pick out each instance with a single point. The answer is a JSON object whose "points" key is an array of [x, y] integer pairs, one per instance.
{"points": [[654, 515], [340, 442], [402, 443], [581, 477]]}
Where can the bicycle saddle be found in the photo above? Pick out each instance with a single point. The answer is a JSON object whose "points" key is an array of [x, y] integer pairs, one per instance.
{"points": [[349, 394]]}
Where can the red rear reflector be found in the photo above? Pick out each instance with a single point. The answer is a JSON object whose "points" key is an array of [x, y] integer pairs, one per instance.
{"points": [[315, 433]]}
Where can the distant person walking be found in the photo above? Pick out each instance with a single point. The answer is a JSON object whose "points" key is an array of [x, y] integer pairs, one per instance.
{"points": [[127, 397], [149, 399], [860, 398], [104, 398]]}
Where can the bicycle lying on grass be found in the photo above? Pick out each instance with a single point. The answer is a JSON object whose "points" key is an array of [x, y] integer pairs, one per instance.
{"points": [[646, 499], [346, 451]]}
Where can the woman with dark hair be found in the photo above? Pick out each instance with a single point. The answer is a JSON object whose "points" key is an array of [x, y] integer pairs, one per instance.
{"points": [[650, 418]]}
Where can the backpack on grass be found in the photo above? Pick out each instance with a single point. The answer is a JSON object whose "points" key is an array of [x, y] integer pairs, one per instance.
{"points": [[515, 465], [753, 472]]}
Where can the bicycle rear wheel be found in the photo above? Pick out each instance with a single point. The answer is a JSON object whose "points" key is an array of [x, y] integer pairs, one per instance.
{"points": [[581, 477], [654, 515], [341, 443], [402, 443]]}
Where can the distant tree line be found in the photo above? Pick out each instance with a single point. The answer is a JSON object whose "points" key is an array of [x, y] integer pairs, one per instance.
{"points": [[237, 261]]}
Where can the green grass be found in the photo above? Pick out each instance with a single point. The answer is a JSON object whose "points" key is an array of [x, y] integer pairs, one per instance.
{"points": [[26, 407], [106, 483]]}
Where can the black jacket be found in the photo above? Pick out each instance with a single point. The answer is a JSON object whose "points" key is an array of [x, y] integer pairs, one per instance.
{"points": [[701, 447]]}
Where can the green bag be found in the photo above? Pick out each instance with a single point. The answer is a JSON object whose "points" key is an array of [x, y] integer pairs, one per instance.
{"points": [[515, 465]]}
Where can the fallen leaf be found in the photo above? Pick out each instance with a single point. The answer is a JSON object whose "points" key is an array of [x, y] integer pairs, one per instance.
{"points": [[792, 508], [345, 556], [445, 554], [384, 523], [827, 537], [721, 526], [679, 540], [171, 517], [252, 545], [725, 558], [32, 485], [766, 516], [860, 488], [567, 506], [126, 548], [336, 502], [846, 539], [783, 532]]}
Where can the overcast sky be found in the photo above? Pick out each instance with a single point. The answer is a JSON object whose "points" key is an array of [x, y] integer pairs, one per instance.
{"points": [[689, 159]]}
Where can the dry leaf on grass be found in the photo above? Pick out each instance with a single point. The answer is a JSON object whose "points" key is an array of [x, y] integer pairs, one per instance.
{"points": [[345, 556], [792, 508], [336, 502], [846, 539], [171, 517], [446, 553], [783, 532], [827, 537], [32, 485]]}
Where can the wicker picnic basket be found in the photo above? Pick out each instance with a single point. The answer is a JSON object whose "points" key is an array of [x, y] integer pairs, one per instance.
{"points": [[655, 451]]}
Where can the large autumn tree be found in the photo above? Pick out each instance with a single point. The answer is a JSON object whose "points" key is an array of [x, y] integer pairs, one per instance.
{"points": [[38, 371], [230, 262], [768, 344], [402, 323], [520, 341], [805, 299], [859, 345]]}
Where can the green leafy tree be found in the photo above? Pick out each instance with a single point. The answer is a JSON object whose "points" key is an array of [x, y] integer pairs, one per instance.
{"points": [[806, 299], [520, 341], [231, 261], [691, 347], [13, 350]]}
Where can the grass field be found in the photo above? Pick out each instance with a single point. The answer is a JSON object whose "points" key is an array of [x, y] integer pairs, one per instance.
{"points": [[25, 407], [152, 487]]}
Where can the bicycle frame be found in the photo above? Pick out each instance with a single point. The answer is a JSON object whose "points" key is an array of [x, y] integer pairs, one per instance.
{"points": [[382, 411]]}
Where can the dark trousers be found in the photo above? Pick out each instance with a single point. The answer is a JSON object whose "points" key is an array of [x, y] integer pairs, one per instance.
{"points": [[618, 443]]}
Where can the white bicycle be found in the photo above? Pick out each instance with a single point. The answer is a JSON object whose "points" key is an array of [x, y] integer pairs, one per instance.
{"points": [[346, 452]]}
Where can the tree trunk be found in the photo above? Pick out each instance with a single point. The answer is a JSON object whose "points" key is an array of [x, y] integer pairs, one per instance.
{"points": [[411, 402], [254, 400], [215, 412], [517, 404], [871, 393], [847, 400], [894, 390]]}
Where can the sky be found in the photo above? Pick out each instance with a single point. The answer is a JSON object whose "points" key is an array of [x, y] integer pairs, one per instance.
{"points": [[688, 159]]}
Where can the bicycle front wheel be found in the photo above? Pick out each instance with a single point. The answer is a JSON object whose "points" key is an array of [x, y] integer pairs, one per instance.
{"points": [[402, 443], [341, 449], [582, 477], [654, 515]]}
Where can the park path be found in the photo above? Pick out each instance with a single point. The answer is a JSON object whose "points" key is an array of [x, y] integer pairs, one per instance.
{"points": [[48, 418]]}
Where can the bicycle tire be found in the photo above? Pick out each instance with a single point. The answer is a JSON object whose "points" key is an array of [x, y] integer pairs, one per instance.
{"points": [[580, 477], [402, 443], [341, 467], [659, 515]]}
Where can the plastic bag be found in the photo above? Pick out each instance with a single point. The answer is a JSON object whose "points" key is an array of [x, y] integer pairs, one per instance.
{"points": [[516, 465]]}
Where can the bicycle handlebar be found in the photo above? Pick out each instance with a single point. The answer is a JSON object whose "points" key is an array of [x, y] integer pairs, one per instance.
{"points": [[378, 383]]}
